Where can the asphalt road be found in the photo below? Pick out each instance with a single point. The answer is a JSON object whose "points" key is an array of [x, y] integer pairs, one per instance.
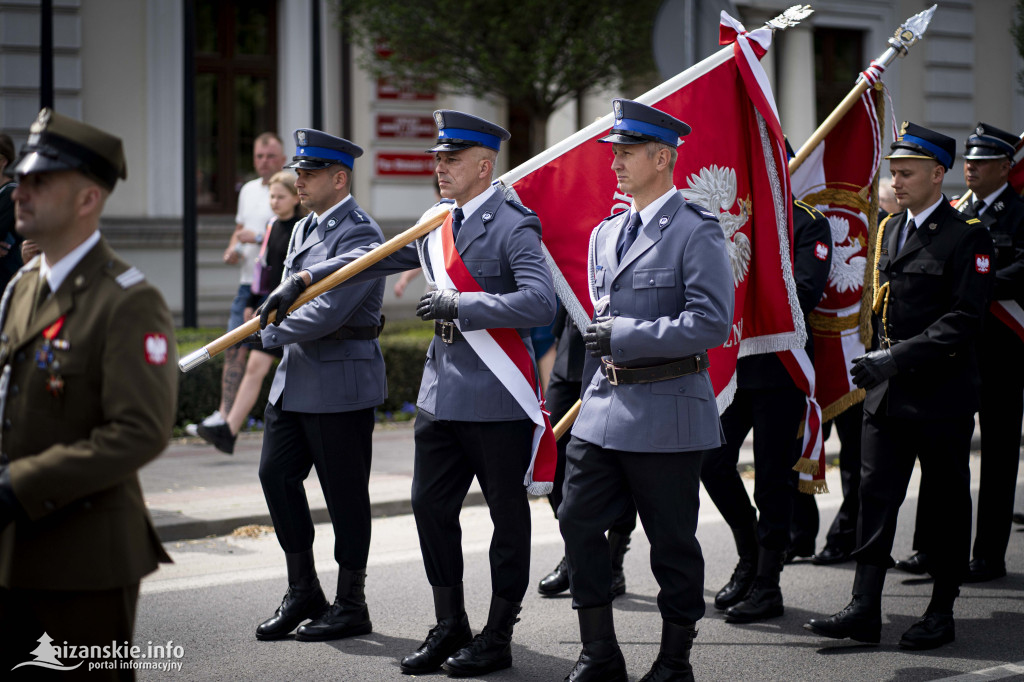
{"points": [[210, 601]]}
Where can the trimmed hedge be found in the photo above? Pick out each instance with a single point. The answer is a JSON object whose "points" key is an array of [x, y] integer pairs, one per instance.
{"points": [[404, 344]]}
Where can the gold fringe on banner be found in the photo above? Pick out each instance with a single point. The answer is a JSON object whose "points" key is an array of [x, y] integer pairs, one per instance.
{"points": [[838, 407], [813, 487], [806, 466]]}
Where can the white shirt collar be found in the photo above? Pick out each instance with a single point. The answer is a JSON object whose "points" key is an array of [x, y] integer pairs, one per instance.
{"points": [[921, 217], [56, 274], [651, 210], [991, 198], [475, 203], [332, 209]]}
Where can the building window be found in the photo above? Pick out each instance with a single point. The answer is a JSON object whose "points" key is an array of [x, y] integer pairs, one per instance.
{"points": [[236, 94], [838, 58]]}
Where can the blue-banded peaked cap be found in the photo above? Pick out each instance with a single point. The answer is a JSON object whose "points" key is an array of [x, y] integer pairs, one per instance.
{"points": [[989, 142], [315, 150], [918, 142], [57, 143], [457, 130], [637, 123]]}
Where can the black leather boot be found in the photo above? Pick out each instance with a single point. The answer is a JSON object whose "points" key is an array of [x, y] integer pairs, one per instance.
{"points": [[346, 617], [490, 650], [449, 635], [861, 620], [619, 545], [601, 659], [764, 600], [673, 662], [555, 582], [743, 577], [304, 598]]}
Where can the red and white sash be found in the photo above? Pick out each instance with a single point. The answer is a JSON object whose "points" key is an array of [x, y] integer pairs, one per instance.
{"points": [[811, 464], [504, 353], [1011, 314]]}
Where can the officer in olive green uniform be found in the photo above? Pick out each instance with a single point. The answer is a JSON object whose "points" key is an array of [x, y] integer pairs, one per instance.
{"points": [[88, 395]]}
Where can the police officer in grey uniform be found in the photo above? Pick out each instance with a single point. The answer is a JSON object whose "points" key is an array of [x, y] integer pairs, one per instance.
{"points": [[664, 293], [320, 411], [468, 424], [932, 282]]}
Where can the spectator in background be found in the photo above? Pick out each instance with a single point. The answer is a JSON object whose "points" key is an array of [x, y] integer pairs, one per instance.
{"points": [[284, 201], [886, 198], [10, 251], [250, 223]]}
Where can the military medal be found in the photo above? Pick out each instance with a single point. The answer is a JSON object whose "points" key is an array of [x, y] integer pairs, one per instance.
{"points": [[45, 359], [55, 385]]}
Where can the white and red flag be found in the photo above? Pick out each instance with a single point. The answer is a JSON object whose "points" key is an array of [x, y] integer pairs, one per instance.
{"points": [[733, 164]]}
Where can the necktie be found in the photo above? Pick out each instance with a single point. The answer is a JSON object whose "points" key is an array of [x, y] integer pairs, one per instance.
{"points": [[310, 226], [978, 207], [457, 216], [629, 236], [41, 295], [911, 228]]}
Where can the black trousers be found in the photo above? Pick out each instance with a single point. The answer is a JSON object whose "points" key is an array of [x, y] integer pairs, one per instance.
{"points": [[890, 446], [842, 534], [599, 485], [559, 399], [774, 414], [448, 455], [340, 446], [75, 617]]}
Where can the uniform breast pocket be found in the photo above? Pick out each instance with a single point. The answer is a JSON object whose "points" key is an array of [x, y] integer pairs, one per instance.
{"points": [[346, 371], [486, 271], [654, 291], [927, 267]]}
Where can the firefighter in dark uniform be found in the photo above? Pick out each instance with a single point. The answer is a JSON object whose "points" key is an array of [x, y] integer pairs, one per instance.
{"points": [[564, 389], [768, 401], [322, 399], [987, 161], [88, 396], [932, 282], [663, 286]]}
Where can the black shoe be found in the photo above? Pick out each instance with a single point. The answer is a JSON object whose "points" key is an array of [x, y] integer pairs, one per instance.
{"points": [[763, 602], [443, 640], [916, 564], [303, 600], [861, 620], [931, 632], [219, 436], [738, 586], [346, 617], [800, 552], [555, 582], [490, 650], [829, 556], [983, 570], [673, 662], [1018, 517], [601, 659]]}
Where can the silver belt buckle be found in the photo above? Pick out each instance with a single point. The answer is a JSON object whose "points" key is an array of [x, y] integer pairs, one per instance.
{"points": [[609, 372], [448, 332]]}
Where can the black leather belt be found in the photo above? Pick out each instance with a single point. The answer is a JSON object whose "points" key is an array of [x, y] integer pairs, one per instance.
{"points": [[356, 333], [449, 333], [645, 375]]}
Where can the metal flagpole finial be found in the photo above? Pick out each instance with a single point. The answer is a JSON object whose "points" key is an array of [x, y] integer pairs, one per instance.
{"points": [[791, 17], [912, 30]]}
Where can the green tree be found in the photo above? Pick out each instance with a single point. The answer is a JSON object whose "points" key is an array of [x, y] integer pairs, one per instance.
{"points": [[536, 54]]}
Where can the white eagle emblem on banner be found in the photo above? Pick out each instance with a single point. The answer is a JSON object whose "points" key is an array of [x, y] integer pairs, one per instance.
{"points": [[847, 273], [714, 188]]}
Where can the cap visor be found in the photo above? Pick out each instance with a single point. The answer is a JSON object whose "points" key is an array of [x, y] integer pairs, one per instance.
{"points": [[310, 164], [618, 138], [451, 147], [911, 154], [34, 162], [983, 154]]}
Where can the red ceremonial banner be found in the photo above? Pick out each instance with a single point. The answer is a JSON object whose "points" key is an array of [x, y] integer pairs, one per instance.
{"points": [[733, 164]]}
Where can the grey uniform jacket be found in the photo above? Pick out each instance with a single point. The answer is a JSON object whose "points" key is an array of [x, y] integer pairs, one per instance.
{"points": [[500, 245], [672, 296], [319, 375]]}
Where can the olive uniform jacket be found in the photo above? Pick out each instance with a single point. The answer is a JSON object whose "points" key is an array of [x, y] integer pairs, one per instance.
{"points": [[77, 426], [937, 289], [672, 296]]}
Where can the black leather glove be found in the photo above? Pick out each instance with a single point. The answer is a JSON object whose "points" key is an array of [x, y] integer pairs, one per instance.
{"points": [[598, 337], [871, 369], [255, 341], [442, 304], [9, 507], [281, 299]]}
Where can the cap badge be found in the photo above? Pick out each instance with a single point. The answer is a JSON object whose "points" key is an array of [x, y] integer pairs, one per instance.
{"points": [[980, 130], [903, 128], [301, 136], [42, 120], [617, 108], [439, 119]]}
